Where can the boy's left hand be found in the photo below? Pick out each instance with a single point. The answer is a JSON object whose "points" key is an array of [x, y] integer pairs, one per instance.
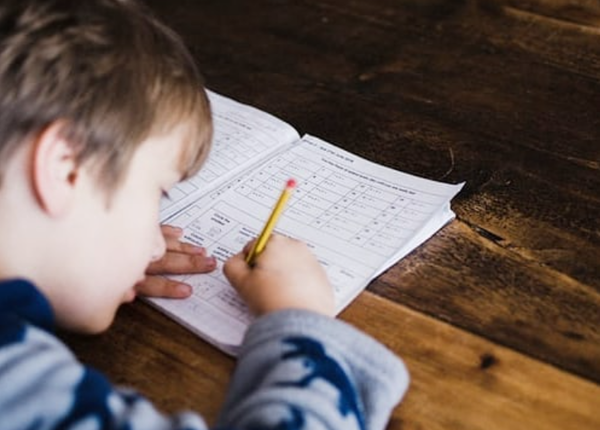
{"points": [[180, 258]]}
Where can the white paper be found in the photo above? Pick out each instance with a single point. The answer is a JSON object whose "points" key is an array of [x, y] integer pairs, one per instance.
{"points": [[358, 218]]}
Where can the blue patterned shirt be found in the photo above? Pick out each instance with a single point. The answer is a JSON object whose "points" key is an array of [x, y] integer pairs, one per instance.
{"points": [[296, 370]]}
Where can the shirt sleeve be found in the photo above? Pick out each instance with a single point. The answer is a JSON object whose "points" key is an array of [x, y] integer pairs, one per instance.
{"points": [[296, 370], [43, 386], [300, 370]]}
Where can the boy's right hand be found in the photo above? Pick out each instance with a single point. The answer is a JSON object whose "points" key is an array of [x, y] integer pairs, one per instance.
{"points": [[286, 275]]}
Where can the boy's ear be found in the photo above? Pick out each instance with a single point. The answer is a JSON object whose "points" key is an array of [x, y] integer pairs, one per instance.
{"points": [[55, 170]]}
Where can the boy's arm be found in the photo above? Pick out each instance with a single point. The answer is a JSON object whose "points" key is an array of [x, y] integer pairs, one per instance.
{"points": [[298, 367], [301, 370]]}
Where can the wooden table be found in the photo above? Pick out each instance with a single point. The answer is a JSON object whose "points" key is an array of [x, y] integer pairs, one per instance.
{"points": [[498, 315]]}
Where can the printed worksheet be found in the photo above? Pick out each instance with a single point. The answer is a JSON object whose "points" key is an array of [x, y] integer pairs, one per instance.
{"points": [[358, 218]]}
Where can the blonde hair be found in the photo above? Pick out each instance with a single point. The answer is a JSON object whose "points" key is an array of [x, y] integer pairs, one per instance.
{"points": [[106, 69]]}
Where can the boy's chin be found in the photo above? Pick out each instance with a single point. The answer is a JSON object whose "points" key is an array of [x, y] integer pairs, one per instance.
{"points": [[89, 326]]}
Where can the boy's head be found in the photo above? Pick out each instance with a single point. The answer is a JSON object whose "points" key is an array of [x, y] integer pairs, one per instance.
{"points": [[101, 109], [109, 72]]}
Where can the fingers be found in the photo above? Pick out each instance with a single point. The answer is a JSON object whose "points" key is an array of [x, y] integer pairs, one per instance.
{"points": [[181, 257], [248, 246], [181, 262], [172, 237], [274, 240], [236, 268], [171, 231], [159, 286]]}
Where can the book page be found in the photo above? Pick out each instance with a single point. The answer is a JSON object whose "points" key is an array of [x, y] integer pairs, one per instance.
{"points": [[356, 216], [242, 136]]}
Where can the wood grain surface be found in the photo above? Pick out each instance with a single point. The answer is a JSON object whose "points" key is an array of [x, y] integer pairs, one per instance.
{"points": [[498, 315]]}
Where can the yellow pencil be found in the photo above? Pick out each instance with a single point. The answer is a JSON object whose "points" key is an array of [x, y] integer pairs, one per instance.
{"points": [[265, 234]]}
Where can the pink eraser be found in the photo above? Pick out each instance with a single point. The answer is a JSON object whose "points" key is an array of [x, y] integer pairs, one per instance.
{"points": [[291, 183]]}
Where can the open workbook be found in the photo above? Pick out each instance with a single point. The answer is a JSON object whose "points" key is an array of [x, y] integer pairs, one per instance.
{"points": [[358, 217]]}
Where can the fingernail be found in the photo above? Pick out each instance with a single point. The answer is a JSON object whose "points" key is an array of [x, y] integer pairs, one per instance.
{"points": [[184, 289], [211, 261]]}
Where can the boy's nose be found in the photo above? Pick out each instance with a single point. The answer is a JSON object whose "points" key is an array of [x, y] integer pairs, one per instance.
{"points": [[160, 246]]}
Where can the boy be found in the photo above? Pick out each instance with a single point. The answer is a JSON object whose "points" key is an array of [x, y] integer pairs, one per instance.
{"points": [[101, 112]]}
